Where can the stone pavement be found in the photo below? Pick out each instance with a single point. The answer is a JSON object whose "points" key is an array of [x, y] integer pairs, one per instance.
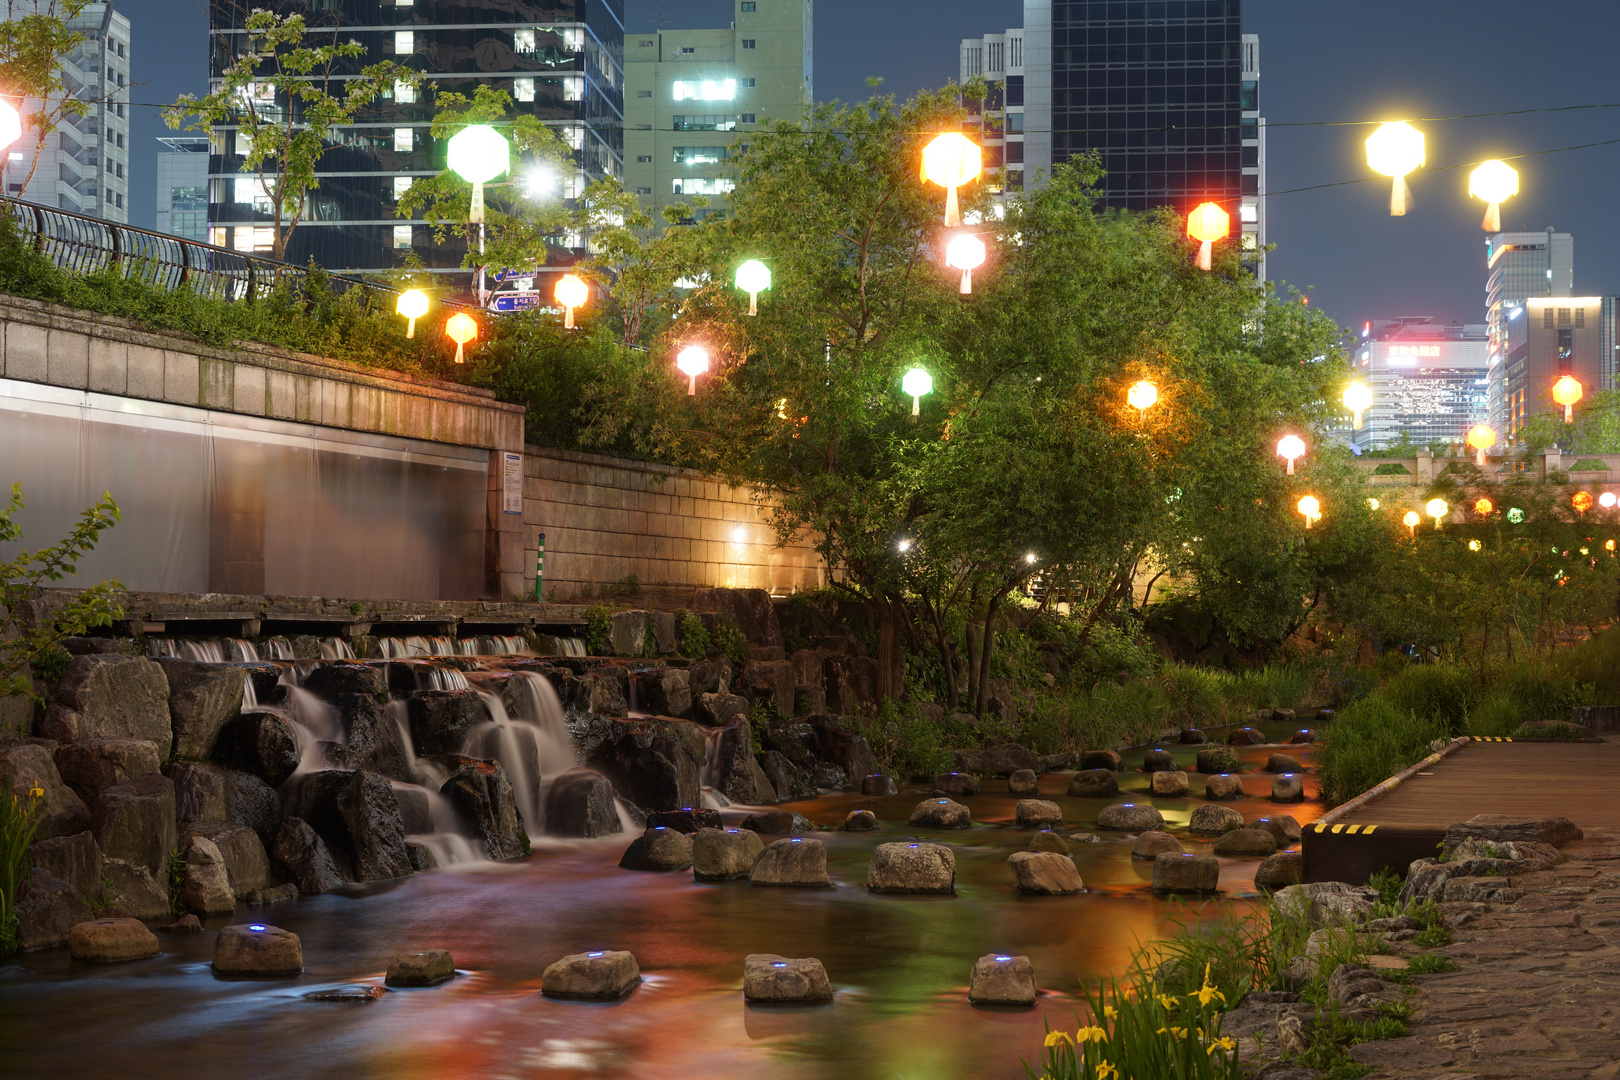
{"points": [[1538, 991]]}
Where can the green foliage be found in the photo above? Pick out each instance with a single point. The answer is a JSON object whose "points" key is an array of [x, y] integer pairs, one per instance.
{"points": [[729, 638], [760, 715], [1334, 1034], [1430, 964], [1137, 1033], [694, 637], [177, 882], [1432, 937], [1551, 731], [598, 624], [908, 744], [1388, 883], [19, 817]]}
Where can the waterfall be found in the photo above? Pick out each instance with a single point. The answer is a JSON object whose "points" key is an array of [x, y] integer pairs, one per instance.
{"points": [[334, 648], [393, 648], [709, 775], [532, 745], [276, 648]]}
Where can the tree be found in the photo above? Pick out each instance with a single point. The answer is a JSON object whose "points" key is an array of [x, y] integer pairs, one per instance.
{"points": [[278, 96], [33, 47]]}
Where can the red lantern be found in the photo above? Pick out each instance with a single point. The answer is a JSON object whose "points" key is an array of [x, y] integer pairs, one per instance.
{"points": [[1567, 391], [1208, 224]]}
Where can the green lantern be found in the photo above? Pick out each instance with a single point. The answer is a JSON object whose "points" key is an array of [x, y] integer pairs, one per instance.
{"points": [[917, 383]]}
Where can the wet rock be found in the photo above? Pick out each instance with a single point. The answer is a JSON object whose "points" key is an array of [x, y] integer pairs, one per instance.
{"points": [[1186, 874], [1406, 1053], [330, 679], [1279, 871], [1282, 763], [768, 977], [738, 776], [1171, 785], [809, 680], [1482, 890], [724, 854], [1045, 873], [264, 744], [687, 820], [480, 792], [199, 792], [1002, 980], [354, 811], [372, 738], [860, 821], [49, 911], [1158, 760], [627, 634], [133, 890], [186, 924], [93, 765], [247, 865], [422, 857], [1092, 782], [1215, 820], [798, 862], [844, 747], [274, 894], [1283, 827], [750, 609], [1246, 842], [1287, 789], [851, 682], [879, 784], [658, 849], [1218, 759], [1047, 840], [941, 814], [797, 741], [415, 816], [1130, 817], [710, 677], [1150, 845], [1193, 737], [787, 780], [257, 949], [203, 698], [107, 696], [1244, 736], [1001, 760], [595, 976], [719, 710], [135, 821], [956, 783], [1084, 838], [428, 968], [252, 802], [74, 859], [1556, 831], [442, 721], [1326, 903], [656, 764], [347, 995], [911, 868], [1100, 759], [1037, 814], [1303, 737], [829, 777], [111, 941], [1223, 787], [770, 681], [1023, 782], [207, 888], [60, 812], [778, 822], [666, 692]]}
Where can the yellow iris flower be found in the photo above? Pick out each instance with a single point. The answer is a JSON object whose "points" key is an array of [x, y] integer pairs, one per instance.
{"points": [[1167, 1001], [1105, 1071], [1089, 1034], [1109, 1012], [38, 792], [1222, 1043], [1055, 1037]]}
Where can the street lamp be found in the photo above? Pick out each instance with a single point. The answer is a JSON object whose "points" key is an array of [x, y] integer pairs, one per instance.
{"points": [[917, 382], [1495, 182], [1395, 150], [1410, 520], [1291, 447], [1567, 391], [951, 161], [1437, 509], [412, 304], [1208, 224], [571, 292], [1310, 509], [1358, 399], [966, 253], [462, 328], [1142, 396], [477, 153], [1481, 437], [753, 278], [693, 361]]}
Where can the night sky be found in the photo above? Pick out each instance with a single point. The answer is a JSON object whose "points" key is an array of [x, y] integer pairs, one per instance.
{"points": [[1344, 61]]}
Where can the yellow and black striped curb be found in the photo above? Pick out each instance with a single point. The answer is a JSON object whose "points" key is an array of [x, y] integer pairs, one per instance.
{"points": [[1350, 830], [1355, 852]]}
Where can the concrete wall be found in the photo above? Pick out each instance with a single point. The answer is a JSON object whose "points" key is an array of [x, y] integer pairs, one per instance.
{"points": [[605, 518]]}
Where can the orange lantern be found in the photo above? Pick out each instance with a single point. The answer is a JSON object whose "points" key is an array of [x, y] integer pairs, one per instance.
{"points": [[1411, 521], [462, 328], [1291, 447], [1581, 501], [1310, 509], [693, 361], [1142, 396], [1483, 507], [1481, 437], [1208, 224], [965, 252], [571, 292], [1567, 391], [951, 161]]}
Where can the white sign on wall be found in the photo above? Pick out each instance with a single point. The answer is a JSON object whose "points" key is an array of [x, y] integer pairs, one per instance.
{"points": [[512, 483]]}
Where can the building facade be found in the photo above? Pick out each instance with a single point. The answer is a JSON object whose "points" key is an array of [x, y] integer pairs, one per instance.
{"points": [[562, 61], [997, 124], [182, 187], [84, 164], [692, 95], [1547, 338], [1428, 381], [1520, 266]]}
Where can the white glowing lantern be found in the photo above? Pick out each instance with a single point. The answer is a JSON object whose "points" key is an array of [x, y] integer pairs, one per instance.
{"points": [[1310, 509], [412, 304], [966, 253], [1607, 500], [1437, 509], [1291, 448], [917, 382], [1358, 398], [1395, 150], [951, 161], [753, 278], [478, 154], [1495, 182], [693, 361]]}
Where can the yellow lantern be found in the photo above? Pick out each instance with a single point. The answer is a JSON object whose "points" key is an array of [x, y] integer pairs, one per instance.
{"points": [[413, 304], [1310, 509], [1291, 447], [1358, 399], [966, 253], [1411, 521], [1208, 224], [1473, 545], [1608, 545], [1372, 504], [462, 328], [1483, 507], [753, 278], [693, 361], [571, 292], [1481, 437], [1437, 509], [951, 161], [1142, 396], [1495, 182], [1567, 391], [1582, 501], [1395, 150]]}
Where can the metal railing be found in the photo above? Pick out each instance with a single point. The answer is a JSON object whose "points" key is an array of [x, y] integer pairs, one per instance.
{"points": [[80, 244]]}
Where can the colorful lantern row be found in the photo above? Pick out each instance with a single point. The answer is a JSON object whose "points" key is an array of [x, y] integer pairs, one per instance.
{"points": [[1481, 437]]}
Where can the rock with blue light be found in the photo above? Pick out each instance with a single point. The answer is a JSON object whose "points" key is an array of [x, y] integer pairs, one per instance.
{"points": [[1242, 842], [1045, 873], [724, 854], [659, 849], [1186, 874], [428, 968], [1244, 736], [1171, 785], [779, 822], [1283, 827], [1223, 786], [879, 784], [860, 821], [1000, 979], [1023, 782], [1287, 788], [1130, 817], [1094, 782], [1215, 820], [111, 941], [956, 783], [1158, 760], [912, 867], [941, 814], [1037, 814], [1303, 736], [1150, 845], [768, 977], [591, 976], [795, 862], [257, 949], [1100, 759]]}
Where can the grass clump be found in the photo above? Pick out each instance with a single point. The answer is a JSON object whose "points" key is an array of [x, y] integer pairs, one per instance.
{"points": [[19, 818], [695, 643], [1430, 964]]}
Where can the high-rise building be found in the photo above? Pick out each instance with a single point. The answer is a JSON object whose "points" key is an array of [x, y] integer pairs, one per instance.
{"points": [[562, 61], [1166, 94], [1546, 338], [692, 95], [83, 165], [182, 187], [1428, 380], [1521, 266]]}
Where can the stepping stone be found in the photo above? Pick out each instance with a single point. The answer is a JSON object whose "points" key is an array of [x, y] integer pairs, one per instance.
{"points": [[912, 868], [1023, 782], [1130, 817], [1045, 873], [111, 941], [1214, 819], [1218, 759], [1246, 842], [660, 848], [956, 783], [257, 949], [794, 862], [1279, 871], [1286, 789], [1037, 814], [1223, 787], [592, 976], [1186, 874], [768, 977], [1171, 785], [1002, 980], [1158, 760], [1047, 840], [1094, 782], [428, 968], [1150, 845], [724, 854], [860, 821], [941, 814], [879, 784]]}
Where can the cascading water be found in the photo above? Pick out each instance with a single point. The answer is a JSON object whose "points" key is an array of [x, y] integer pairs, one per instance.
{"points": [[531, 741], [334, 648], [709, 775]]}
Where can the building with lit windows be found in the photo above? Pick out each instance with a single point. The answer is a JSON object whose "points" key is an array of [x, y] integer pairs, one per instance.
{"points": [[691, 96], [1428, 381], [1546, 338], [1520, 266], [182, 187], [562, 61]]}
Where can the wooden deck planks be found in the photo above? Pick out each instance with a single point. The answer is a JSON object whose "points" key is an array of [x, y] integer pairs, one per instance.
{"points": [[1572, 780]]}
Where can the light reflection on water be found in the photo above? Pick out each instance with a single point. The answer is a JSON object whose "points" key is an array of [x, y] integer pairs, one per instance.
{"points": [[899, 966]]}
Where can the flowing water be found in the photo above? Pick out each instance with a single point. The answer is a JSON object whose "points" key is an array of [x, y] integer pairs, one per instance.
{"points": [[899, 964]]}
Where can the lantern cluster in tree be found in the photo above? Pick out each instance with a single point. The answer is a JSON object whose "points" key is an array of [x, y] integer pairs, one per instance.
{"points": [[1142, 396], [1291, 448], [1310, 508], [693, 361], [917, 382], [571, 292], [753, 278], [965, 252]]}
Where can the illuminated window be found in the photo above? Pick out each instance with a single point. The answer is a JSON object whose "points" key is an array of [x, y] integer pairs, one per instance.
{"points": [[259, 238], [402, 237], [404, 93], [404, 41], [217, 235], [705, 123], [705, 90], [703, 185], [523, 89], [404, 140], [699, 155], [523, 41], [1249, 212], [402, 184]]}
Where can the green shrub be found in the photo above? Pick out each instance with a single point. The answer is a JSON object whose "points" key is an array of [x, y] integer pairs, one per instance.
{"points": [[18, 820], [598, 623], [1368, 743], [1142, 1034], [1430, 964], [729, 638], [908, 744], [1551, 731], [694, 637]]}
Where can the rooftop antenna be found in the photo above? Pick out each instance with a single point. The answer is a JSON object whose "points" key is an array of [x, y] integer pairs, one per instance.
{"points": [[663, 13]]}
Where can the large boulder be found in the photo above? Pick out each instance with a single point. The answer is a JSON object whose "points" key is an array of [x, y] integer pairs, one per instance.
{"points": [[263, 743], [627, 634], [580, 803], [109, 696], [941, 814], [660, 848], [1287, 788], [1246, 842], [1171, 785], [1100, 759], [480, 792], [1045, 873], [1003, 759], [1150, 845], [442, 721], [656, 764], [795, 862], [199, 792], [1092, 782], [1224, 786], [795, 740], [257, 949], [724, 854], [1037, 814], [111, 941], [1279, 871], [1283, 827], [666, 691], [49, 911], [1002, 980], [595, 976], [770, 681], [252, 802], [809, 680], [331, 679], [1326, 903], [778, 822], [203, 698], [912, 868], [851, 683], [135, 821], [207, 886], [357, 815], [93, 765], [737, 774], [1186, 874], [1130, 817], [247, 864], [135, 891], [787, 779], [719, 710], [74, 859], [1158, 760], [371, 739], [750, 609], [1215, 820], [302, 857], [1219, 759], [710, 677], [768, 977], [27, 767]]}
